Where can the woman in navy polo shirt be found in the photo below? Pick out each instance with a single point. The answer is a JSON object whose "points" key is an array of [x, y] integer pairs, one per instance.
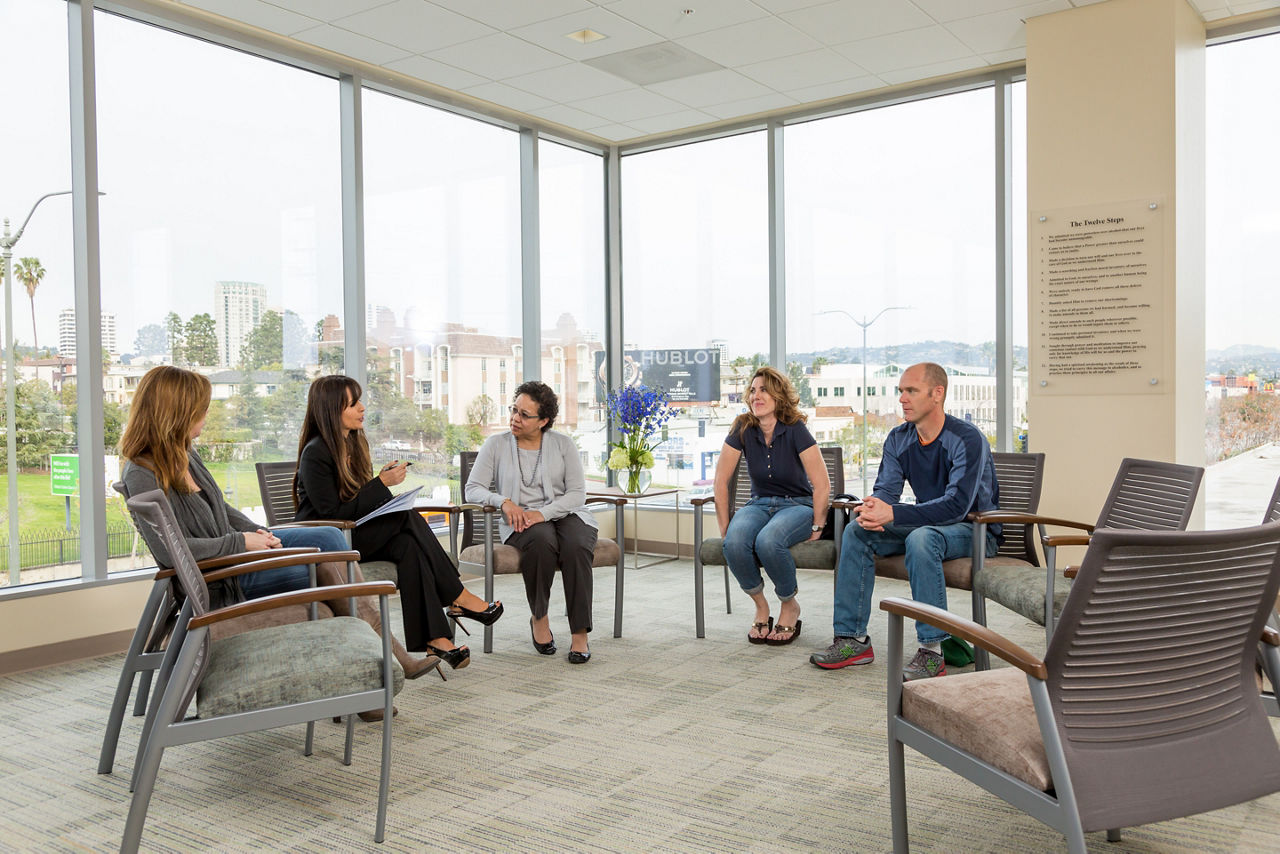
{"points": [[789, 496]]}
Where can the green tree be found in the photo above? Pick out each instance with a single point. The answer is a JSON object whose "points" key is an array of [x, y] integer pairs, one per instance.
{"points": [[176, 332], [151, 340], [201, 336], [264, 348], [30, 272], [801, 382], [284, 410], [247, 408], [481, 410], [39, 430]]}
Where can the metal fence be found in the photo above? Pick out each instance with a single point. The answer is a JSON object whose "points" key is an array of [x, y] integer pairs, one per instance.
{"points": [[40, 547]]}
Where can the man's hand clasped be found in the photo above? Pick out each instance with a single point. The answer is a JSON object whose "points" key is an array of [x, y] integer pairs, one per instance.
{"points": [[874, 514]]}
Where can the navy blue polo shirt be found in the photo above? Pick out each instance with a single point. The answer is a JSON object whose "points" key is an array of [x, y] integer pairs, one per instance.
{"points": [[776, 471]]}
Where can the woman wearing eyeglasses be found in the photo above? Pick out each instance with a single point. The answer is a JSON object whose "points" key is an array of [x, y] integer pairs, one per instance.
{"points": [[535, 475], [335, 480]]}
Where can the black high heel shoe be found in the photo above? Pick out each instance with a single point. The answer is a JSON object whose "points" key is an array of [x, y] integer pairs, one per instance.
{"points": [[457, 658], [487, 617], [548, 648]]}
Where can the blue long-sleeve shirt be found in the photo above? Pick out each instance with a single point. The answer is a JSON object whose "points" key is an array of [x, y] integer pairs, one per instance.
{"points": [[952, 476]]}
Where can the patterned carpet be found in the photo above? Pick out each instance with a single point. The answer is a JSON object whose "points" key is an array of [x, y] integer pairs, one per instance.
{"points": [[663, 742]]}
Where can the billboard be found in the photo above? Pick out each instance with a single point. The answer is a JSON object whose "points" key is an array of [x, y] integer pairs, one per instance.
{"points": [[687, 376]]}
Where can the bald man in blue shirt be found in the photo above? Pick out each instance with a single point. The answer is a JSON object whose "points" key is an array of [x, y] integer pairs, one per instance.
{"points": [[948, 463]]}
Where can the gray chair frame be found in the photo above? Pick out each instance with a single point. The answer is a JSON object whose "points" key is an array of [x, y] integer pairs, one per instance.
{"points": [[178, 684], [740, 494], [1146, 495], [1267, 654], [147, 647], [1182, 735], [488, 524]]}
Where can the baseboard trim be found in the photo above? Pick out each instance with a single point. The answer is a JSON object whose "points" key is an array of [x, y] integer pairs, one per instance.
{"points": [[47, 655]]}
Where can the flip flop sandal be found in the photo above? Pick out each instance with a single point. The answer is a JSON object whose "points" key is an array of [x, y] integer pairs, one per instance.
{"points": [[758, 627], [791, 632]]}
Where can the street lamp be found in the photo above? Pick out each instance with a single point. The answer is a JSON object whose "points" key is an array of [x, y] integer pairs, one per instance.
{"points": [[7, 242], [864, 323]]}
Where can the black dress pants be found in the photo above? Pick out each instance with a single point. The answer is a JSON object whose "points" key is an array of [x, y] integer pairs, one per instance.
{"points": [[568, 544], [427, 579]]}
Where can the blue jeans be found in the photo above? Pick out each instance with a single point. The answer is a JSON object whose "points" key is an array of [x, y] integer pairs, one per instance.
{"points": [[764, 529], [258, 584], [926, 548]]}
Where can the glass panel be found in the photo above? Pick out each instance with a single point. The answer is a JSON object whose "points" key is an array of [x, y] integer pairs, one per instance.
{"points": [[1242, 358], [695, 243], [442, 283], [221, 238], [890, 261], [1021, 431], [571, 196], [40, 292]]}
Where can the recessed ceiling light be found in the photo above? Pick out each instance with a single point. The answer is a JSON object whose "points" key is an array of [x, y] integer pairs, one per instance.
{"points": [[585, 36]]}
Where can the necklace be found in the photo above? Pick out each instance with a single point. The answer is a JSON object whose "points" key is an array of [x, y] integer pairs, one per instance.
{"points": [[533, 476]]}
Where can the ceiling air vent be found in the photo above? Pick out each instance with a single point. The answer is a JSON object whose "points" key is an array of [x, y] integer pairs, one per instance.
{"points": [[654, 63]]}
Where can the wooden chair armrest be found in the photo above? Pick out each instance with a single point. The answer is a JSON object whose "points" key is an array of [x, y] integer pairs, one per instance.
{"points": [[974, 633], [248, 557], [1071, 572], [1014, 517], [1066, 540], [468, 506], [1270, 636], [342, 524], [314, 556], [846, 505], [436, 508], [698, 502], [607, 499], [294, 597]]}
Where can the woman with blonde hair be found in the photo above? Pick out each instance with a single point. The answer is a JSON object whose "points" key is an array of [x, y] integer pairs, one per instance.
{"points": [[790, 490], [335, 480], [168, 412]]}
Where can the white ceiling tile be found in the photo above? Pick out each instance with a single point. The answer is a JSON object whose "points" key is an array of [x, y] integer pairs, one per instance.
{"points": [[1086, 2], [779, 6], [667, 18], [806, 69], [1216, 14], [508, 14], [950, 10], [1209, 5], [435, 72], [905, 49], [672, 121], [754, 41], [750, 106], [936, 69], [571, 82], [570, 116], [615, 133], [507, 96], [847, 20], [414, 25], [350, 44], [498, 56], [622, 34], [259, 14], [712, 88], [1017, 54], [838, 89], [1001, 30], [628, 105], [328, 10], [1246, 8]]}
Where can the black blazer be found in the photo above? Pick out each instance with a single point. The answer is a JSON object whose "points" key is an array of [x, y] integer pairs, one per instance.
{"points": [[318, 498]]}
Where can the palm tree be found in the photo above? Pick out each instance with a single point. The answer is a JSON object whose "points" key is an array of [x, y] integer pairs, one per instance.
{"points": [[29, 272]]}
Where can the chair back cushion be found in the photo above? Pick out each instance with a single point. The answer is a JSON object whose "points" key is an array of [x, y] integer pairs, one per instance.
{"points": [[1151, 496], [1151, 673]]}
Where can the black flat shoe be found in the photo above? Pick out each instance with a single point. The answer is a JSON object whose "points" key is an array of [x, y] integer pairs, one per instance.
{"points": [[457, 658], [576, 657], [548, 648], [487, 617]]}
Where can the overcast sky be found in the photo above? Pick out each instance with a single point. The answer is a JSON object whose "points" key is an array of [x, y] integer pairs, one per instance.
{"points": [[220, 166]]}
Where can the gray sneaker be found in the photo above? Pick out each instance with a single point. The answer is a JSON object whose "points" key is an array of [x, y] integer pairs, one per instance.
{"points": [[844, 652], [925, 665]]}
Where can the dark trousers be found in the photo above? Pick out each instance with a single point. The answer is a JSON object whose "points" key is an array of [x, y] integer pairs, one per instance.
{"points": [[427, 579], [568, 544]]}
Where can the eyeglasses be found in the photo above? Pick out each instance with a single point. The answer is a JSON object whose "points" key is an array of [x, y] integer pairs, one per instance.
{"points": [[523, 416]]}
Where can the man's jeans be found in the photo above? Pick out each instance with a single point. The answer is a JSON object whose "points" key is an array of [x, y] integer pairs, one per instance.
{"points": [[926, 548], [765, 529], [258, 584]]}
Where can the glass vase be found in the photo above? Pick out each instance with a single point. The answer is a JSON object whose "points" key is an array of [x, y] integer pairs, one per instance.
{"points": [[637, 480]]}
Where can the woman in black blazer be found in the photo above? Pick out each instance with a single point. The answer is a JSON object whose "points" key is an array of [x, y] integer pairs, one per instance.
{"points": [[335, 480]]}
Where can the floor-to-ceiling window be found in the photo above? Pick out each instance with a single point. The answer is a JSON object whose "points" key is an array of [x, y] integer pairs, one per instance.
{"points": [[220, 239], [695, 285], [1242, 287], [442, 283], [35, 150], [890, 261]]}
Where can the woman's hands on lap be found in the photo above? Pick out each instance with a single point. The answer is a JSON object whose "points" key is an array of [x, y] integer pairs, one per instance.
{"points": [[259, 540], [518, 518]]}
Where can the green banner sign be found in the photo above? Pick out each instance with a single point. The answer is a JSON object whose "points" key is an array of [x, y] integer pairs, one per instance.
{"points": [[64, 474]]}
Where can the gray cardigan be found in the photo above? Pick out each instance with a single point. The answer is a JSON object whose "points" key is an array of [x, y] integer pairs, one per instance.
{"points": [[562, 478]]}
